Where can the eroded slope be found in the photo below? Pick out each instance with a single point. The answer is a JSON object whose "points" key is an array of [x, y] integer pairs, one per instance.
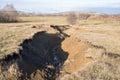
{"points": [[61, 52]]}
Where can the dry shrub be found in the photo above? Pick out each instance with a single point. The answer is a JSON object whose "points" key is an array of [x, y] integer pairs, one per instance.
{"points": [[72, 18]]}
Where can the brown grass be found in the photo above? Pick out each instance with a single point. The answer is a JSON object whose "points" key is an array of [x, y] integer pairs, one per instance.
{"points": [[86, 37], [11, 37]]}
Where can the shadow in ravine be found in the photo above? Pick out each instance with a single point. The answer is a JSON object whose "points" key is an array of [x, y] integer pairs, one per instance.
{"points": [[42, 52]]}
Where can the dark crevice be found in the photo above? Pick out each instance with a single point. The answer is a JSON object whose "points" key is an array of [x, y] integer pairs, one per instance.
{"points": [[42, 52]]}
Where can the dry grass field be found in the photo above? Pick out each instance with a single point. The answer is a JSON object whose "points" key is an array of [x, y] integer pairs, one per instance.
{"points": [[11, 37], [49, 19], [93, 45]]}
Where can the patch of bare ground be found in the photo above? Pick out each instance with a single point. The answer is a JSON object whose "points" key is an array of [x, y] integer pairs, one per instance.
{"points": [[76, 50]]}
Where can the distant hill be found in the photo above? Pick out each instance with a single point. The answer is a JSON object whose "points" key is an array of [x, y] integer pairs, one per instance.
{"points": [[9, 7], [104, 10]]}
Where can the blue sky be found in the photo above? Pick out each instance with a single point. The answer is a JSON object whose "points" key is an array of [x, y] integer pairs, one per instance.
{"points": [[51, 6]]}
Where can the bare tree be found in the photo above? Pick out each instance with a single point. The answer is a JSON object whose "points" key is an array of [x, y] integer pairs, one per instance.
{"points": [[72, 18], [8, 14], [7, 17]]}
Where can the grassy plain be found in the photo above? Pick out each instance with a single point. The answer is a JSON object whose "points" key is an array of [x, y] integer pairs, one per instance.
{"points": [[51, 20], [100, 32], [96, 32], [63, 20]]}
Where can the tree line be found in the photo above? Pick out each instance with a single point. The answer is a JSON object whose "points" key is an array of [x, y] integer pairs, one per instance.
{"points": [[8, 16]]}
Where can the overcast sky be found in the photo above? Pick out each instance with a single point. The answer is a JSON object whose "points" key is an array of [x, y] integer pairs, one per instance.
{"points": [[49, 6]]}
